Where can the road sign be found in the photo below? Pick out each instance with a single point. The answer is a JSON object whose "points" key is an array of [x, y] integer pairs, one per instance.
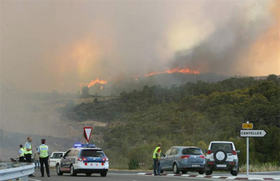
{"points": [[87, 133], [252, 133], [247, 125]]}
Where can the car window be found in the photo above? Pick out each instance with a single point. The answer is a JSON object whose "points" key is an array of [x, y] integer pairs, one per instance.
{"points": [[92, 153], [226, 147], [57, 155], [67, 153], [192, 151], [168, 152], [174, 151], [71, 153]]}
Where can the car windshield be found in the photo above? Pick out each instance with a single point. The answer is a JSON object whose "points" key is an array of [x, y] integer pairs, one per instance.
{"points": [[92, 153], [192, 151], [57, 155], [226, 147]]}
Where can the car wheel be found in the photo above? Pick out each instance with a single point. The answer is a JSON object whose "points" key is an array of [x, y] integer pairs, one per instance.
{"points": [[175, 169], [103, 173], [234, 173], [201, 172], [58, 171], [72, 171], [88, 174], [208, 172]]}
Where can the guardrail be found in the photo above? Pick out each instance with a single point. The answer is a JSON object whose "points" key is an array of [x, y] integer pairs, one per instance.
{"points": [[12, 171]]}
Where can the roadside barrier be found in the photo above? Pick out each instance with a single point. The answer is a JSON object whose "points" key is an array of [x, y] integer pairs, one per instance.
{"points": [[16, 171]]}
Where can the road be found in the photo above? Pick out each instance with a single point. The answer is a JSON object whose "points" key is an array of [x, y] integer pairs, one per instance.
{"points": [[112, 176], [135, 176]]}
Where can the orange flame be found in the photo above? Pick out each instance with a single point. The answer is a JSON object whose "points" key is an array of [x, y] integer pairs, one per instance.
{"points": [[97, 81], [174, 70]]}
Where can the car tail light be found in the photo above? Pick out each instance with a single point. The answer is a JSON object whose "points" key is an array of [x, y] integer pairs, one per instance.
{"points": [[202, 156], [104, 159], [185, 156], [82, 159], [234, 152], [210, 163], [102, 164], [232, 163], [85, 163], [209, 152]]}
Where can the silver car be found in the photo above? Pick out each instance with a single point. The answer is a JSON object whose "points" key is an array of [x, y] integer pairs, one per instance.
{"points": [[184, 159]]}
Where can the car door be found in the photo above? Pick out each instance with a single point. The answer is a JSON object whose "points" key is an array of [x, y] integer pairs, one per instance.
{"points": [[164, 160], [170, 159], [67, 161], [63, 161]]}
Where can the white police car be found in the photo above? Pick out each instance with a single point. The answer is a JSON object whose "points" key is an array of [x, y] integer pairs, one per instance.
{"points": [[83, 158]]}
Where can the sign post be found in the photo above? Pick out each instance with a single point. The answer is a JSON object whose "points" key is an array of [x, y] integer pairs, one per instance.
{"points": [[87, 133], [248, 132]]}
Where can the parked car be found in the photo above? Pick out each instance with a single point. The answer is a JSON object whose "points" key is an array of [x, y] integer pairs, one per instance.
{"points": [[222, 155], [56, 157], [184, 159], [83, 159]]}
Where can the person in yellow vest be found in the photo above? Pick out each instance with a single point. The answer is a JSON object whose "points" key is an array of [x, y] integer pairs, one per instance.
{"points": [[28, 150], [44, 157], [156, 157], [21, 153]]}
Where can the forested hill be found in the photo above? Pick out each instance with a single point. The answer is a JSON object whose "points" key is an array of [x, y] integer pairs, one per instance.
{"points": [[190, 114]]}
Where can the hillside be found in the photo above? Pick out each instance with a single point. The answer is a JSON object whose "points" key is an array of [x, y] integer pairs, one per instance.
{"points": [[189, 114]]}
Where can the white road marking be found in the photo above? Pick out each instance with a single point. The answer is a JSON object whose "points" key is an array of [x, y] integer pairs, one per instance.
{"points": [[33, 179]]}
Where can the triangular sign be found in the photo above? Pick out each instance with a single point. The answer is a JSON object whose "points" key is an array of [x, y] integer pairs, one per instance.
{"points": [[87, 133]]}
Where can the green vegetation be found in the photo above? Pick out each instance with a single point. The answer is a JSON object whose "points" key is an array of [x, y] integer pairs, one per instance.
{"points": [[191, 114]]}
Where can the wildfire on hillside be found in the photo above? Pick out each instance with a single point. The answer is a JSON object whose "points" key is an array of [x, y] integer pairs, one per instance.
{"points": [[174, 70], [97, 81]]}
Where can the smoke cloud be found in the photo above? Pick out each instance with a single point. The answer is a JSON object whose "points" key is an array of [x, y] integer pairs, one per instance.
{"points": [[48, 45]]}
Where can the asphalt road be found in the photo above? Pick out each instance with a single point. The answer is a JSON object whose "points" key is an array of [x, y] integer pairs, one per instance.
{"points": [[134, 176], [111, 176]]}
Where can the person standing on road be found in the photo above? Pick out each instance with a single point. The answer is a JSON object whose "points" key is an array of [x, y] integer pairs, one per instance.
{"points": [[36, 158], [156, 157], [28, 150], [21, 152], [44, 157]]}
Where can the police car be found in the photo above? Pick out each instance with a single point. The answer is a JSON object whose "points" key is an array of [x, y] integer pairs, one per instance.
{"points": [[83, 158]]}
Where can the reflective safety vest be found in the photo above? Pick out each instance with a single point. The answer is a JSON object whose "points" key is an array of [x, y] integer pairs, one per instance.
{"points": [[27, 146], [43, 149], [156, 154], [21, 152]]}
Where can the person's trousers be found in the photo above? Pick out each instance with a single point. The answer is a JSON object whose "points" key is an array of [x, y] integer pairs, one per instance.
{"points": [[21, 159], [156, 167], [28, 158], [45, 161]]}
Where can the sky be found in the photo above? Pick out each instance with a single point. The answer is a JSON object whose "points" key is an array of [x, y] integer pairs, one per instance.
{"points": [[59, 45]]}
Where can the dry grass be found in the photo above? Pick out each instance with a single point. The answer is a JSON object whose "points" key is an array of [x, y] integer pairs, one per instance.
{"points": [[265, 167]]}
